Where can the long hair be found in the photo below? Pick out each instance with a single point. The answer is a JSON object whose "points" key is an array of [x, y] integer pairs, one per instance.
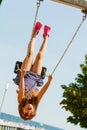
{"points": [[25, 101]]}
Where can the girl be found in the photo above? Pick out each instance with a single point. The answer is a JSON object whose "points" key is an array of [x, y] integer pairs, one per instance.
{"points": [[28, 78]]}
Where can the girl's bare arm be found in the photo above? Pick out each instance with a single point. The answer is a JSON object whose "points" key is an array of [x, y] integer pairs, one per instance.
{"points": [[21, 85], [44, 89]]}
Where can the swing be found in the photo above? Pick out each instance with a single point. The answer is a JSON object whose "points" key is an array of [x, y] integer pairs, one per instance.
{"points": [[44, 69], [18, 67]]}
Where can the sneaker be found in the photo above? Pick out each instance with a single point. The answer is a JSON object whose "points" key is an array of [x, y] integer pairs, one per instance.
{"points": [[37, 27], [46, 30]]}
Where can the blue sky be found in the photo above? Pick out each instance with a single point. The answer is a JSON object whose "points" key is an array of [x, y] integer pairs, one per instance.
{"points": [[16, 22]]}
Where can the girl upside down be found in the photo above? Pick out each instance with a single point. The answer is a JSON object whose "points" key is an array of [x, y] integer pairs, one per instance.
{"points": [[28, 78]]}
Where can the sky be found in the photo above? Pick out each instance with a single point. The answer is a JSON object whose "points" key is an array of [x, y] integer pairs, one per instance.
{"points": [[16, 23]]}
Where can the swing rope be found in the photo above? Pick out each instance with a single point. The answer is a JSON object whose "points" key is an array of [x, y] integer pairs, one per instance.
{"points": [[84, 17], [37, 10]]}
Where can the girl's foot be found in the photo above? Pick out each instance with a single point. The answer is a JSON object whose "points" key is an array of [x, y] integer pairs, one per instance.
{"points": [[37, 27], [46, 30]]}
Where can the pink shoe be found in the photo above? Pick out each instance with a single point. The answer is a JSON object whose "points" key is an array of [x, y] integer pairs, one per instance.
{"points": [[46, 30], [37, 27]]}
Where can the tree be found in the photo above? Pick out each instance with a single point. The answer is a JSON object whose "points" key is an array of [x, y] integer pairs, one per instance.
{"points": [[0, 2], [75, 98]]}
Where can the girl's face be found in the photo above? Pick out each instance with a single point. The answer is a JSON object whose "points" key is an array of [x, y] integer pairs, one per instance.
{"points": [[28, 111]]}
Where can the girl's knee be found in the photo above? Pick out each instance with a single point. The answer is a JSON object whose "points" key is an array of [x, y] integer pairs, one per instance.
{"points": [[40, 55], [30, 54]]}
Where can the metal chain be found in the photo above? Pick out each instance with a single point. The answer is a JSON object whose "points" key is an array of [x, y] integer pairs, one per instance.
{"points": [[37, 10]]}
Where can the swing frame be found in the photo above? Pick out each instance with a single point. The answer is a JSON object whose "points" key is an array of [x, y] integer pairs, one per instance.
{"points": [[80, 4]]}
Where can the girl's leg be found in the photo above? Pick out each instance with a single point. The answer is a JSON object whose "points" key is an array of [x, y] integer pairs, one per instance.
{"points": [[27, 63], [37, 66]]}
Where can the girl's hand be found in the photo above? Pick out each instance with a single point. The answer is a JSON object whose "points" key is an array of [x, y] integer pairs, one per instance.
{"points": [[50, 78], [23, 72]]}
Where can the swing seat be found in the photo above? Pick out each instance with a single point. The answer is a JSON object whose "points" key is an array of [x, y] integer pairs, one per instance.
{"points": [[18, 67]]}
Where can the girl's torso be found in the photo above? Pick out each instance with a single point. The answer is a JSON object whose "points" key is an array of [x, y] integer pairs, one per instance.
{"points": [[32, 80]]}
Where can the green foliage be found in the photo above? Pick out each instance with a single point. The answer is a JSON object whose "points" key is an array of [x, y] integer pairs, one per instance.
{"points": [[75, 98], [0, 2]]}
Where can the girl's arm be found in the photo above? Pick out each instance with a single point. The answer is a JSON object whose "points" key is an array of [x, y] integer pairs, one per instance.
{"points": [[44, 89], [21, 86]]}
